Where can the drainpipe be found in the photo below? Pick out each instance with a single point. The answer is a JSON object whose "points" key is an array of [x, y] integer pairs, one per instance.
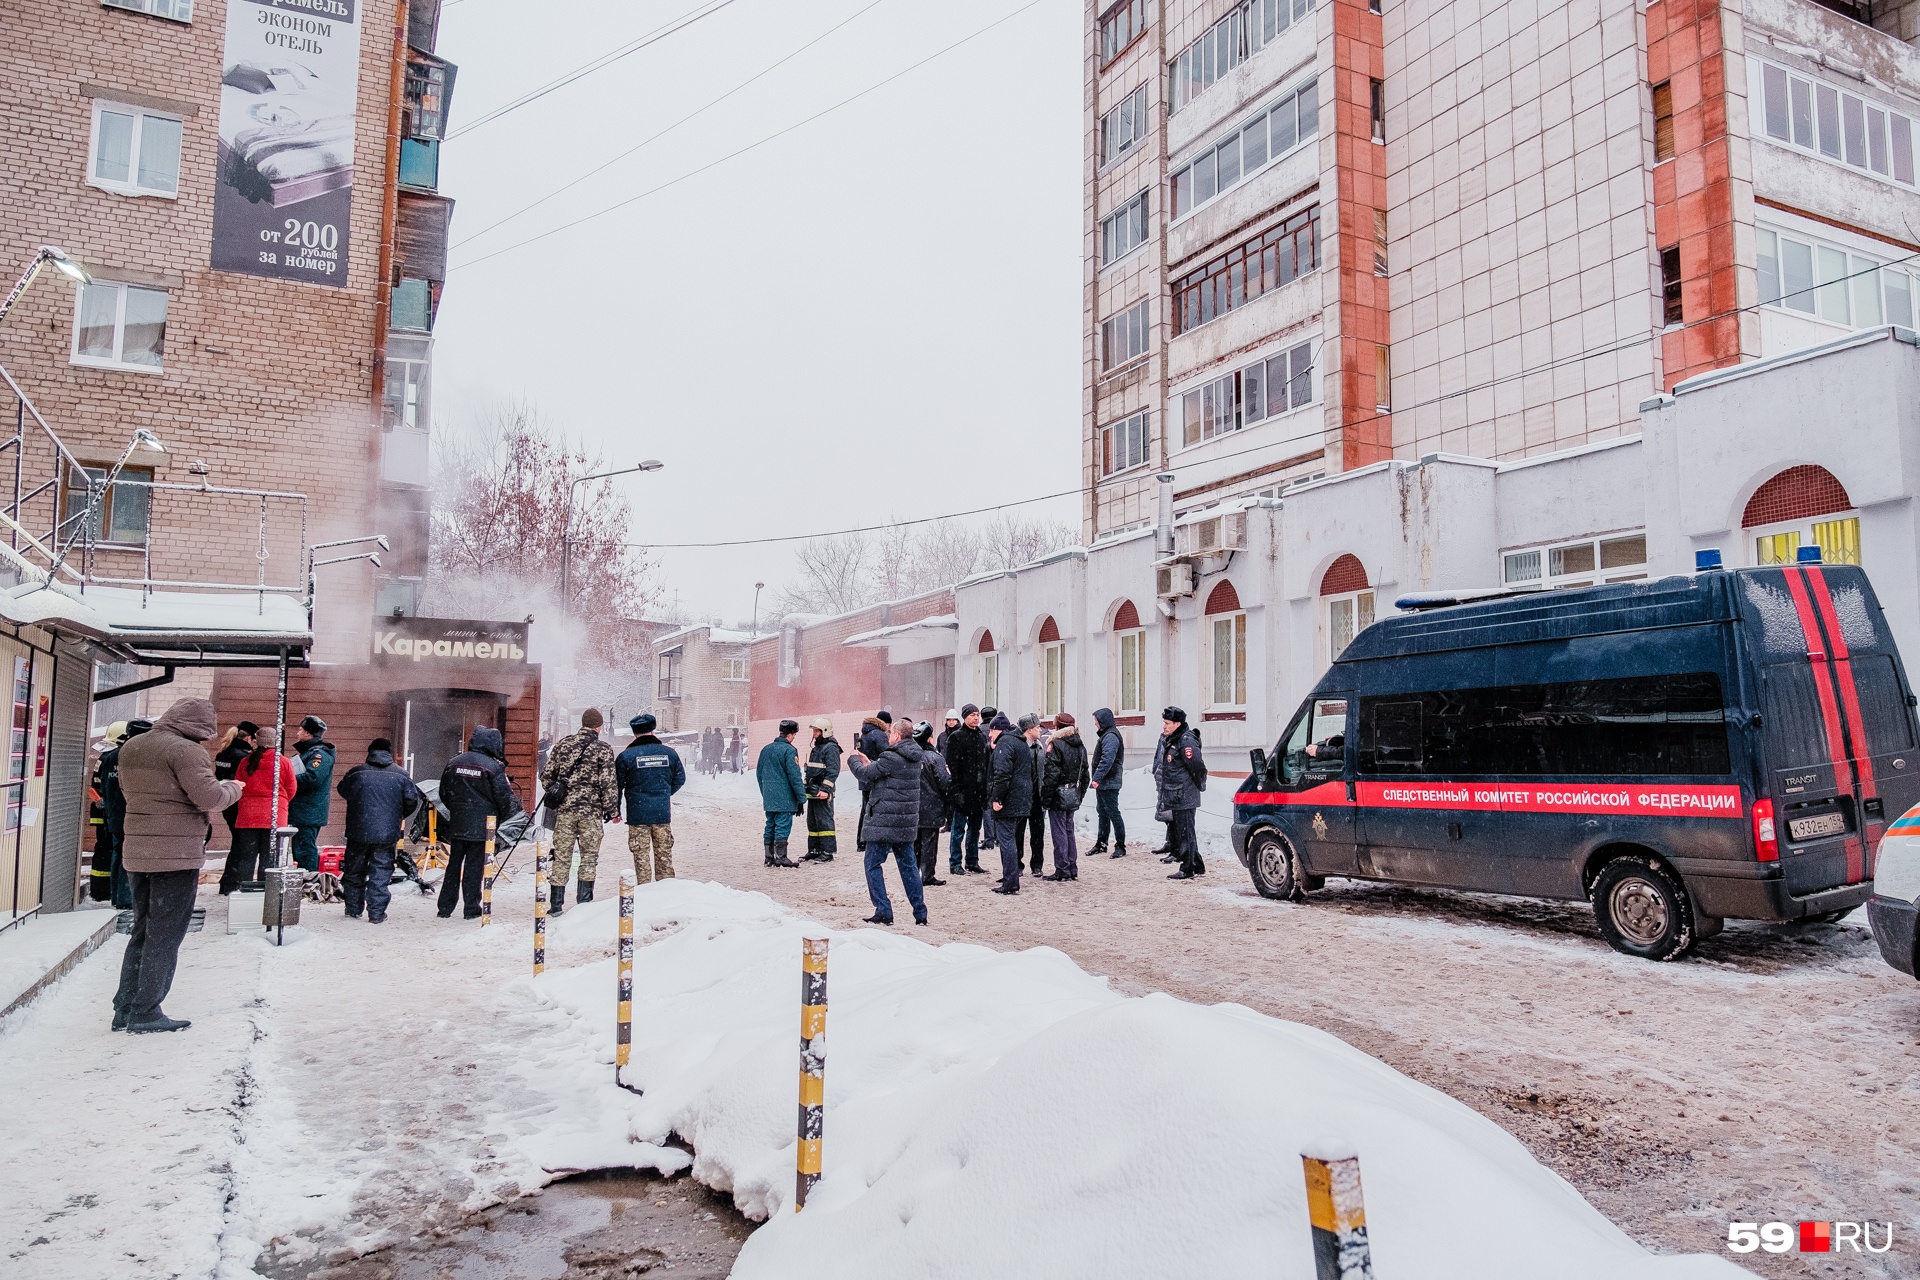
{"points": [[389, 215], [1163, 522]]}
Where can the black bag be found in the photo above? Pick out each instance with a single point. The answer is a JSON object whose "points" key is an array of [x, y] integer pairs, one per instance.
{"points": [[1069, 798], [556, 793]]}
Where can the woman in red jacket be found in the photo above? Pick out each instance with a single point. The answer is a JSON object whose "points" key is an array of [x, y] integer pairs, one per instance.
{"points": [[253, 827]]}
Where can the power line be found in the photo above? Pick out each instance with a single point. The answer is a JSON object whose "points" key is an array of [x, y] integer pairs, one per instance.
{"points": [[672, 182], [707, 9], [1267, 445], [670, 128]]}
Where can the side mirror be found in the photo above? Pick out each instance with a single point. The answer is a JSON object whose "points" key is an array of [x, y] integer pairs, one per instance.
{"points": [[1259, 758]]}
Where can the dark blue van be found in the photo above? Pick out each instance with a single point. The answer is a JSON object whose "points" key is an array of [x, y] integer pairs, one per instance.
{"points": [[1678, 752]]}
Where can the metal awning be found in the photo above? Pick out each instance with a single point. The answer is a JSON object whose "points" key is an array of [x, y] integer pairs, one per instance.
{"points": [[919, 641]]}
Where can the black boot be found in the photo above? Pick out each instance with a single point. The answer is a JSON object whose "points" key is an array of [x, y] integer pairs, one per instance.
{"points": [[1099, 846], [767, 848], [780, 858], [582, 892], [1119, 850], [556, 899]]}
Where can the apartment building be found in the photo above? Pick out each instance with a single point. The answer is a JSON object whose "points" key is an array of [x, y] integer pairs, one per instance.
{"points": [[703, 678]]}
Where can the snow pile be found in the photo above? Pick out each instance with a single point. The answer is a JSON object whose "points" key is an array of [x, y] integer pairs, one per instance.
{"points": [[1008, 1114]]}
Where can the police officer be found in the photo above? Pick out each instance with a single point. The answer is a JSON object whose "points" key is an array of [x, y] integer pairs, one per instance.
{"points": [[1181, 773], [473, 786], [648, 773]]}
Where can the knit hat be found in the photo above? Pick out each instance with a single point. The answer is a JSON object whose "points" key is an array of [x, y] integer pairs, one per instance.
{"points": [[884, 717], [967, 709], [380, 744], [923, 732], [1029, 721], [590, 718], [248, 727], [137, 727], [789, 726], [988, 713], [314, 725], [953, 713], [1174, 713], [1001, 723], [642, 723], [1063, 721], [823, 723]]}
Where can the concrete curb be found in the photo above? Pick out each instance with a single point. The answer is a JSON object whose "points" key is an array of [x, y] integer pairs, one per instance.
{"points": [[86, 948]]}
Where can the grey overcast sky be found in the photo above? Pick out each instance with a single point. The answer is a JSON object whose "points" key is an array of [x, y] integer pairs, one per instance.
{"points": [[873, 317]]}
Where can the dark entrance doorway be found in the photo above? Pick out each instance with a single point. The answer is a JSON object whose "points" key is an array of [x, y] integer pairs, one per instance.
{"points": [[431, 726]]}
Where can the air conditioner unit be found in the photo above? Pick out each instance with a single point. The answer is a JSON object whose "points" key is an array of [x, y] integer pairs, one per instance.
{"points": [[1173, 581], [1215, 535]]}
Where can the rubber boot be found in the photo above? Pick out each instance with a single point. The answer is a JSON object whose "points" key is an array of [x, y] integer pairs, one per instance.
{"points": [[556, 899], [582, 892], [768, 849], [780, 858]]}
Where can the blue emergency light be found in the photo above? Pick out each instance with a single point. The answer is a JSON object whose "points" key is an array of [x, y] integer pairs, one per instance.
{"points": [[1705, 561], [1808, 555]]}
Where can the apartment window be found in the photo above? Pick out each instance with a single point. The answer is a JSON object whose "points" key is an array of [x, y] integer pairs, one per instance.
{"points": [[1377, 99], [1380, 242], [135, 152], [1382, 379], [1124, 127], [1240, 275], [669, 666], [1798, 273], [1264, 389], [1130, 656], [1123, 446], [1123, 230], [1617, 558], [1124, 337], [120, 326], [1119, 26], [736, 668], [405, 393], [1837, 126], [119, 512], [1278, 129], [1662, 122], [1053, 678], [989, 679], [1670, 303], [176, 10], [1229, 42], [1373, 6], [1347, 616], [1227, 660]]}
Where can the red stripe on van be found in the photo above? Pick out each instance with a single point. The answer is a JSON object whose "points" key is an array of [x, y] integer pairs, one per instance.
{"points": [[1842, 663], [1822, 681], [1640, 799]]}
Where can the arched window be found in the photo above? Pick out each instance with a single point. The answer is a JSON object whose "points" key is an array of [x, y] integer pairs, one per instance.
{"points": [[1802, 506], [1126, 617], [1223, 598], [1049, 630], [1226, 642], [986, 642], [1348, 598], [987, 663], [1053, 668], [1130, 661]]}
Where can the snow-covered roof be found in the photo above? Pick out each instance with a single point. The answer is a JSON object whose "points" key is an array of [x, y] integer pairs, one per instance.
{"points": [[874, 639], [715, 635]]}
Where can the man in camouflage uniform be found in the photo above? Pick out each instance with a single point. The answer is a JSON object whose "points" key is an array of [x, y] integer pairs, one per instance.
{"points": [[585, 765]]}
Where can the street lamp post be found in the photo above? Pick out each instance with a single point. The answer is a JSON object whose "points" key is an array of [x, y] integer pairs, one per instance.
{"points": [[49, 254], [757, 588], [566, 533]]}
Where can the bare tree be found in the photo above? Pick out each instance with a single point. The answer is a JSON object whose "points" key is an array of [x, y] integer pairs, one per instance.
{"points": [[1011, 541], [851, 571], [833, 577], [895, 562], [945, 552]]}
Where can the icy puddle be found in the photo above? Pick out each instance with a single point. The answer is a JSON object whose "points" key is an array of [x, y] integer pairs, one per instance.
{"points": [[600, 1226]]}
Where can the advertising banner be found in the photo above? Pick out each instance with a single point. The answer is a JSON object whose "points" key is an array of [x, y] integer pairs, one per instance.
{"points": [[289, 88], [397, 640]]}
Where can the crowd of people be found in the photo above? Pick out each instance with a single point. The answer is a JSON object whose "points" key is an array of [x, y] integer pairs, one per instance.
{"points": [[722, 751], [985, 782]]}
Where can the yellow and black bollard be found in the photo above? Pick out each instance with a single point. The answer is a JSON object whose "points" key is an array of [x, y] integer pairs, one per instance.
{"points": [[539, 908], [623, 1010], [813, 1066], [486, 879], [1336, 1213]]}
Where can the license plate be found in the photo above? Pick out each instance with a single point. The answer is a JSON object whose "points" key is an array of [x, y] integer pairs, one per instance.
{"points": [[1820, 824]]}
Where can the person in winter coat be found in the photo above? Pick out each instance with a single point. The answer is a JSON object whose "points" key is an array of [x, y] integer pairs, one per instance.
{"points": [[236, 745], [891, 782], [648, 772], [1037, 828], [1104, 775], [876, 732], [171, 794], [1016, 794], [258, 816], [823, 778], [947, 727], [783, 792], [113, 815], [1063, 785], [1181, 771], [100, 864], [473, 787], [583, 766], [989, 821], [965, 750], [736, 753], [380, 798], [936, 792], [313, 793]]}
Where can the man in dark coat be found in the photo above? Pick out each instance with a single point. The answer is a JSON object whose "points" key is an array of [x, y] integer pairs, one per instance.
{"points": [[584, 764], [783, 792], [648, 773], [965, 750], [113, 806], [312, 801], [892, 784], [239, 745], [989, 821], [823, 779], [936, 791], [380, 798], [1104, 775], [1181, 771], [473, 787], [876, 731], [1016, 794], [1063, 785]]}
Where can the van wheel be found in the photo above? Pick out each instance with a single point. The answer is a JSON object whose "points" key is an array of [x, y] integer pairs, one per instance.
{"points": [[1643, 909], [1275, 869]]}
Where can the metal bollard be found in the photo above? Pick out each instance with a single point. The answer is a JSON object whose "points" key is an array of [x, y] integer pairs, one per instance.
{"points": [[539, 909], [813, 1066], [1337, 1213], [623, 1009], [486, 879]]}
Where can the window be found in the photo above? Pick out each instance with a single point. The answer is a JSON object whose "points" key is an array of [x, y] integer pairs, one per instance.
{"points": [[135, 152], [1380, 242], [428, 84], [1347, 617], [989, 679], [405, 393], [1123, 445], [1377, 99], [1123, 230], [1382, 379], [1671, 309], [1118, 27], [1124, 127], [1229, 42], [119, 326], [126, 706], [1662, 122], [1130, 652], [1277, 130], [1228, 637], [1640, 726], [1265, 389], [1801, 274], [177, 10], [1237, 277], [737, 668], [1617, 558], [1838, 540], [1053, 678], [1812, 117], [1323, 729], [1124, 337], [669, 665], [119, 513]]}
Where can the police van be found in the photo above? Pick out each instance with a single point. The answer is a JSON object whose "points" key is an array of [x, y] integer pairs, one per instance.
{"points": [[1678, 752]]}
